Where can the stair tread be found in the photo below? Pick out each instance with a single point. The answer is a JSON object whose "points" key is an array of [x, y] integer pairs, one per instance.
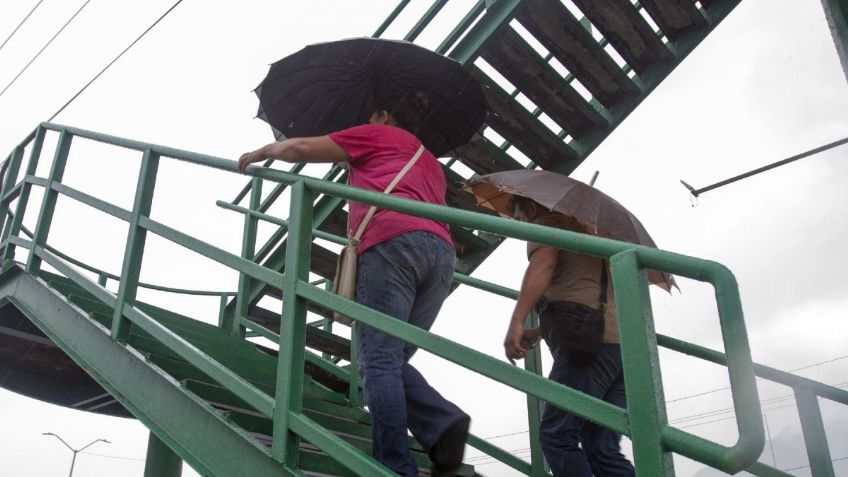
{"points": [[676, 18], [632, 37], [508, 53], [562, 34], [512, 121]]}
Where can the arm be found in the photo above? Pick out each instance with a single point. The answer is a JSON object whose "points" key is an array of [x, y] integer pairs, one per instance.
{"points": [[302, 149], [537, 278]]}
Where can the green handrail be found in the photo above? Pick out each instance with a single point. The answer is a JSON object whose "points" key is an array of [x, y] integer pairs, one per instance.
{"points": [[647, 420]]}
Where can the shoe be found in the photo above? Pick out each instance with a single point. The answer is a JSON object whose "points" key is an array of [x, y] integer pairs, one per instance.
{"points": [[446, 454]]}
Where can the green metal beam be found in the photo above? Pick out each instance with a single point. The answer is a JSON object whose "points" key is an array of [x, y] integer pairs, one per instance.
{"points": [[581, 404], [248, 248], [392, 16], [134, 249], [641, 365], [836, 12], [161, 460], [199, 434], [15, 226], [48, 203], [425, 20], [812, 426], [289, 398], [648, 82], [460, 28], [497, 15]]}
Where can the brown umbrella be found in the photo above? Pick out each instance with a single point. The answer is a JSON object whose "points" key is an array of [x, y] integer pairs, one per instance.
{"points": [[595, 212]]}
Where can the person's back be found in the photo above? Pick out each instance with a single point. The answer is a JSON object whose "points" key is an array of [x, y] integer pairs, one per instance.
{"points": [[572, 289], [405, 270], [377, 153], [577, 278]]}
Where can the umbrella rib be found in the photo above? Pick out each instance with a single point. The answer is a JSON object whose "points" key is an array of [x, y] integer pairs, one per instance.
{"points": [[336, 88], [303, 110]]}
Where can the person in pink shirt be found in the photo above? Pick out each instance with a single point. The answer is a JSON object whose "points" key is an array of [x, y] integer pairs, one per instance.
{"points": [[405, 270]]}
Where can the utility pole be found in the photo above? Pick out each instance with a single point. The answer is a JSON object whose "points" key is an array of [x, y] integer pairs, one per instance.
{"points": [[75, 451]]}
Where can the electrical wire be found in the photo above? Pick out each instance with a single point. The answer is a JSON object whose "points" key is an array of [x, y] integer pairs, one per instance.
{"points": [[114, 60], [808, 465], [720, 411], [20, 24], [113, 456], [690, 396], [45, 47]]}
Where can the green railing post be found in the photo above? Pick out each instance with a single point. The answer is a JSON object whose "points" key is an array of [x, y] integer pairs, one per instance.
{"points": [[289, 394], [812, 427], [134, 251], [641, 363], [23, 200], [222, 308], [11, 174], [248, 248], [533, 363], [327, 321], [48, 203]]}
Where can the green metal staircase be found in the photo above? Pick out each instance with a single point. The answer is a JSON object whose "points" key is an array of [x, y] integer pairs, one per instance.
{"points": [[202, 419], [561, 75], [229, 407]]}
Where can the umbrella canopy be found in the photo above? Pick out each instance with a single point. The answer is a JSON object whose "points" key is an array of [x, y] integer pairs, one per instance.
{"points": [[326, 87], [593, 211]]}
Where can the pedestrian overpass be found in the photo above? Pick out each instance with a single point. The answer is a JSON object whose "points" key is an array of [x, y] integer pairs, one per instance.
{"points": [[561, 76]]}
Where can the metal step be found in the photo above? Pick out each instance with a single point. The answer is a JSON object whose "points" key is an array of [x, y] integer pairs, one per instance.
{"points": [[525, 69], [515, 123], [676, 18], [633, 37], [571, 44]]}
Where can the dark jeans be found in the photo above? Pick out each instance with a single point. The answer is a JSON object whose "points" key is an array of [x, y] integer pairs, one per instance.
{"points": [[562, 434], [407, 277]]}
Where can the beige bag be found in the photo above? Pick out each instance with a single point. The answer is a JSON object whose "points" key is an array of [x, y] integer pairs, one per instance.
{"points": [[344, 284]]}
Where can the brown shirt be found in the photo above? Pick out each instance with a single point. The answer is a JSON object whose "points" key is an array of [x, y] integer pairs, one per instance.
{"points": [[577, 278]]}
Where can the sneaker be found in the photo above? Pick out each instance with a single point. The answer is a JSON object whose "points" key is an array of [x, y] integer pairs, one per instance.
{"points": [[446, 454]]}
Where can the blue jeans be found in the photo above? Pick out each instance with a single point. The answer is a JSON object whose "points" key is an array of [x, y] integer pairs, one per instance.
{"points": [[562, 434], [407, 277]]}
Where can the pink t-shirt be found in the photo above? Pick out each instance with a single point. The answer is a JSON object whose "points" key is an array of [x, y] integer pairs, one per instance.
{"points": [[377, 153]]}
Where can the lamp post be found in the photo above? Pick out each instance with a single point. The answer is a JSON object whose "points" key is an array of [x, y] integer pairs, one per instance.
{"points": [[75, 451]]}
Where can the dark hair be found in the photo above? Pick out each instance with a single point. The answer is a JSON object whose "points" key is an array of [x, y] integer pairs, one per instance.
{"points": [[407, 109], [524, 202]]}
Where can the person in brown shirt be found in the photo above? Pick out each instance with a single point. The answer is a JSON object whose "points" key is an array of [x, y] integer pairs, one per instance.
{"points": [[568, 287]]}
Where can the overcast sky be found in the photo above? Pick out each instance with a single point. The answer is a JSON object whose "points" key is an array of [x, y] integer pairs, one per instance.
{"points": [[765, 85]]}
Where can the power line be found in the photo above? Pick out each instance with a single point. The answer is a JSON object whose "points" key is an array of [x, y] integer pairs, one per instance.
{"points": [[716, 412], [690, 396], [114, 60], [806, 466], [113, 456], [20, 24], [44, 47]]}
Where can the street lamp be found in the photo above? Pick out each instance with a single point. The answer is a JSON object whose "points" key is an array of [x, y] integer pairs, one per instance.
{"points": [[75, 451]]}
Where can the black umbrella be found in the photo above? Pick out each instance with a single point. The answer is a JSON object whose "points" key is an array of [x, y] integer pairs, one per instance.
{"points": [[326, 87]]}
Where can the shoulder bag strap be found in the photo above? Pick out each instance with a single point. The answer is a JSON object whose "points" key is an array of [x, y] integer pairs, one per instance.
{"points": [[604, 280], [370, 214]]}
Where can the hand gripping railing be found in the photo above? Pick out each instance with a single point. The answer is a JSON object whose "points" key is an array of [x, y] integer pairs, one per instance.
{"points": [[644, 420]]}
